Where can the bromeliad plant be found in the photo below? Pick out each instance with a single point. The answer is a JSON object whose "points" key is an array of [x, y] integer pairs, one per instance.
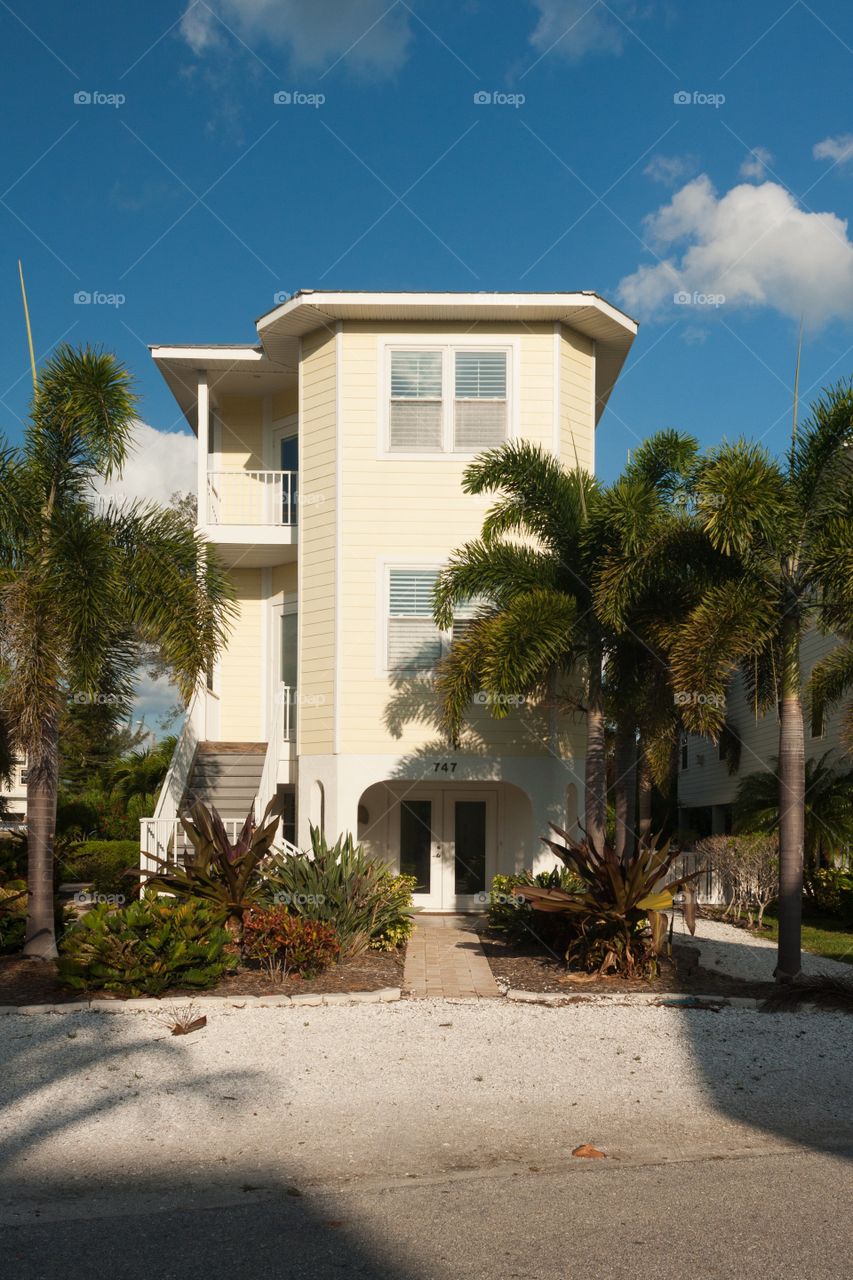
{"points": [[617, 922], [227, 875], [342, 885]]}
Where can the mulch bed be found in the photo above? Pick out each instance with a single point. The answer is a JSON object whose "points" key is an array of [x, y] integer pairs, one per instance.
{"points": [[527, 967], [32, 982]]}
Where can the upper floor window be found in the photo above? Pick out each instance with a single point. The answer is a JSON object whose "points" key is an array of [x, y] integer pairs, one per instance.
{"points": [[448, 399]]}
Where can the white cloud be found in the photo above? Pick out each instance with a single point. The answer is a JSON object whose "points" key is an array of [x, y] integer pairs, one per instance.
{"points": [[756, 163], [839, 149], [754, 245], [573, 28], [669, 170], [161, 463], [371, 38]]}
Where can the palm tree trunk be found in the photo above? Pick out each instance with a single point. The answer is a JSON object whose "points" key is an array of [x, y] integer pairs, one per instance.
{"points": [[792, 790], [625, 789], [42, 783], [595, 769], [644, 798]]}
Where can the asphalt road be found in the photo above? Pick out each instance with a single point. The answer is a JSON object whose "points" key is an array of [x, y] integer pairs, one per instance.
{"points": [[774, 1215]]}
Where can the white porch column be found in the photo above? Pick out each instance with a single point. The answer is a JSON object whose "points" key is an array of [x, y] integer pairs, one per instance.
{"points": [[203, 445]]}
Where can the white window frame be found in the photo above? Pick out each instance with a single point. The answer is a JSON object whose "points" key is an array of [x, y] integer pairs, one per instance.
{"points": [[448, 345], [383, 614]]}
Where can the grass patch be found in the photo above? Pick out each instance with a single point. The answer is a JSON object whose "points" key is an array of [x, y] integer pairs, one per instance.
{"points": [[822, 936]]}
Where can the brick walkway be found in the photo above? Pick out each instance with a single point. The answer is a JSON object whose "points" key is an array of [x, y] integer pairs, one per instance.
{"points": [[444, 958]]}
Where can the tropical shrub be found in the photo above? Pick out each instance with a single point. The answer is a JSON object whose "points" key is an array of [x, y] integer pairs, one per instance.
{"points": [[748, 870], [832, 892], [617, 922], [287, 945], [513, 916], [108, 864], [13, 915], [147, 947], [343, 886], [229, 876]]}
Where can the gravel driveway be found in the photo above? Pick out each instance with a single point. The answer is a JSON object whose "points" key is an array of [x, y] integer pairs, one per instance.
{"points": [[320, 1097], [742, 955]]}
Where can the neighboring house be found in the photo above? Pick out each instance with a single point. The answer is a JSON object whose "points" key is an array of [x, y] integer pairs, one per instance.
{"points": [[330, 463], [13, 798], [707, 785]]}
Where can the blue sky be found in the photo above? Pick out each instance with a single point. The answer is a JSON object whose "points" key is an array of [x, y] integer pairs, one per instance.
{"points": [[197, 198]]}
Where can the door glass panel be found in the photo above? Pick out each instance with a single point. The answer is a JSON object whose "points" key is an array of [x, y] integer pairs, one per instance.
{"points": [[416, 842], [470, 845], [290, 483]]}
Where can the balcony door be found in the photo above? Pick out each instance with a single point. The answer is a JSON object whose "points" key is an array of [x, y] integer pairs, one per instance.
{"points": [[286, 460]]}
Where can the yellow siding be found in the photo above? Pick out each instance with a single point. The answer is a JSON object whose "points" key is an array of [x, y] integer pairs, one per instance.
{"points": [[285, 403], [284, 578], [241, 432], [317, 428], [399, 508], [240, 674], [577, 383]]}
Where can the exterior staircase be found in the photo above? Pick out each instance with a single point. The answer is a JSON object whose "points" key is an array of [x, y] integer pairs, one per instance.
{"points": [[226, 776]]}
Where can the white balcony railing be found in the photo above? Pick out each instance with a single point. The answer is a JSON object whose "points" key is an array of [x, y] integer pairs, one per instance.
{"points": [[253, 497]]}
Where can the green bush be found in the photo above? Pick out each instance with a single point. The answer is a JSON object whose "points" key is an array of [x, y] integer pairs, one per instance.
{"points": [[146, 947], [13, 915], [513, 917], [104, 862], [287, 945], [832, 892], [363, 900]]}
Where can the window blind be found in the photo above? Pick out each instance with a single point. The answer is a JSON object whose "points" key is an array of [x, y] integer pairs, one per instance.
{"points": [[480, 408], [414, 641]]}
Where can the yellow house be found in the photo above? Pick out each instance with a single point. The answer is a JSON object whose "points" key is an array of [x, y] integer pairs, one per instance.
{"points": [[330, 464]]}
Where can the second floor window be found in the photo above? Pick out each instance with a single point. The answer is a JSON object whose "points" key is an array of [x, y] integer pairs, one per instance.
{"points": [[414, 641], [447, 399]]}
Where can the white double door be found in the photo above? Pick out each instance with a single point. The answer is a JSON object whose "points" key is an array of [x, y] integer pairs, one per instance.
{"points": [[446, 839]]}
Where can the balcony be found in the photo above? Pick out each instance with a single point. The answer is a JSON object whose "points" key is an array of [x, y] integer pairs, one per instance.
{"points": [[252, 516], [252, 498]]}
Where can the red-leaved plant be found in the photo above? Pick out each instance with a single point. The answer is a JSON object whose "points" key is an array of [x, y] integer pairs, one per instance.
{"points": [[287, 945]]}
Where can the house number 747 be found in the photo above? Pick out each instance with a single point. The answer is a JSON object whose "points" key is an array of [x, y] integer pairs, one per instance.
{"points": [[445, 766]]}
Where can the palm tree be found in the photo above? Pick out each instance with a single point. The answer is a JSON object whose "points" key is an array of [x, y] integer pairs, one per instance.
{"points": [[85, 584], [142, 772], [784, 533], [535, 622], [828, 816]]}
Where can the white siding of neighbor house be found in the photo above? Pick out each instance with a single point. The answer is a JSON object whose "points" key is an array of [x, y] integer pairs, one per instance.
{"points": [[707, 781]]}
